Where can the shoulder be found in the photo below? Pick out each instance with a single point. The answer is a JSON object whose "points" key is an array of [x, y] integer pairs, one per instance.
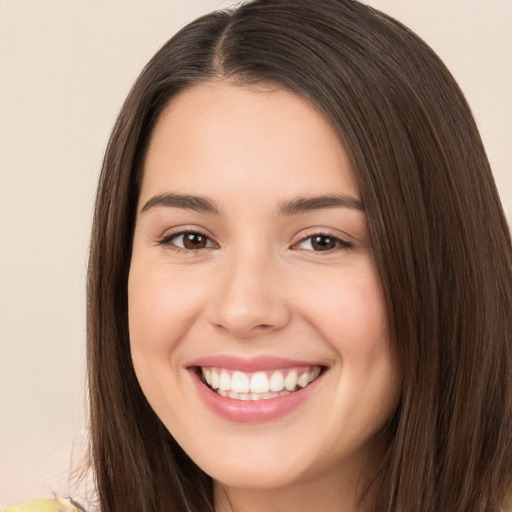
{"points": [[56, 505]]}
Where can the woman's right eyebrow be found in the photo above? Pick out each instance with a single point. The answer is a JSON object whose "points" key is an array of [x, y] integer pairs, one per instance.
{"points": [[186, 201]]}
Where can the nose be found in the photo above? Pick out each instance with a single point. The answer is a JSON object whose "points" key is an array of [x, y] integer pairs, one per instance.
{"points": [[251, 299]]}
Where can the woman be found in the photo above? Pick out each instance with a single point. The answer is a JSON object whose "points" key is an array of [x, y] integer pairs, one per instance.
{"points": [[300, 276]]}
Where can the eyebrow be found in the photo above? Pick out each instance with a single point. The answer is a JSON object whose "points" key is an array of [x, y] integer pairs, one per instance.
{"points": [[185, 201], [285, 208], [307, 204]]}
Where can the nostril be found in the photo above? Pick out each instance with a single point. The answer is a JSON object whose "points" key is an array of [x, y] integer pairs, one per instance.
{"points": [[262, 327]]}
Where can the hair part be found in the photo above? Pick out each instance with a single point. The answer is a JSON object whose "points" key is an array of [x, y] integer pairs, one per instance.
{"points": [[439, 237]]}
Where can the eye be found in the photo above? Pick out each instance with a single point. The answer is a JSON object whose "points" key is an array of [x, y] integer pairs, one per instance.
{"points": [[322, 243], [188, 240]]}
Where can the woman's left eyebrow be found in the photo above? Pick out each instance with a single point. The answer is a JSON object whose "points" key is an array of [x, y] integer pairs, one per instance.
{"points": [[306, 204]]}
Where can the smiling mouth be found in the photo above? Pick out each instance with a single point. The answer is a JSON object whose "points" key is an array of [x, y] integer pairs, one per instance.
{"points": [[260, 385]]}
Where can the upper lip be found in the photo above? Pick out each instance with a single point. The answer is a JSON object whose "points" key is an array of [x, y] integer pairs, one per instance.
{"points": [[250, 364]]}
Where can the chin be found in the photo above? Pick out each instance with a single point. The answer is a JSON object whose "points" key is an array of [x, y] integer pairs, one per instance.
{"points": [[265, 477]]}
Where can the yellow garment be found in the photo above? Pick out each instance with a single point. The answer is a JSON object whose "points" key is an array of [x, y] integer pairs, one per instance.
{"points": [[56, 505]]}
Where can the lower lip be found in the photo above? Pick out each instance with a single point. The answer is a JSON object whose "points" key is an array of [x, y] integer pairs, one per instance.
{"points": [[253, 411]]}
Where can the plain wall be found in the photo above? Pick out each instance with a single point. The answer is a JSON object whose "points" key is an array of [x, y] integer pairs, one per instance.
{"points": [[65, 68]]}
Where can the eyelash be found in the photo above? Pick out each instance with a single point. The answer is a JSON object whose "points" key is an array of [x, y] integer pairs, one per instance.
{"points": [[339, 242], [167, 241]]}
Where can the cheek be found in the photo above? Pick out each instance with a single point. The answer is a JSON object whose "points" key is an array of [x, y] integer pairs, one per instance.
{"points": [[350, 313], [349, 309], [161, 309], [159, 315]]}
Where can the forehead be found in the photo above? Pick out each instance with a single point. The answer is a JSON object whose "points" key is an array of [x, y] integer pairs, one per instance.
{"points": [[218, 137]]}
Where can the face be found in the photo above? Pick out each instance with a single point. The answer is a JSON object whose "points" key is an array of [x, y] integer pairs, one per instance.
{"points": [[257, 321]]}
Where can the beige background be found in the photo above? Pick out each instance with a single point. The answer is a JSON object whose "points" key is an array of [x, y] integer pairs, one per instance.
{"points": [[65, 68]]}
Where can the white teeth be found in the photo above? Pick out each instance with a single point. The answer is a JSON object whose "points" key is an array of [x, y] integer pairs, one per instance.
{"points": [[215, 380], [303, 380], [276, 381], [225, 381], [290, 382], [257, 386], [313, 374], [259, 383], [240, 382]]}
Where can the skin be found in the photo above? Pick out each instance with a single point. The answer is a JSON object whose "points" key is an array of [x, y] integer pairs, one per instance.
{"points": [[260, 287]]}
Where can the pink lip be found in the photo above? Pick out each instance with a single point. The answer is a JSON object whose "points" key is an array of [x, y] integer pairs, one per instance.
{"points": [[250, 411], [254, 364]]}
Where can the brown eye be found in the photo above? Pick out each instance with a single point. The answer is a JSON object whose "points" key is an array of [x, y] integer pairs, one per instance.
{"points": [[323, 243], [187, 240], [194, 241]]}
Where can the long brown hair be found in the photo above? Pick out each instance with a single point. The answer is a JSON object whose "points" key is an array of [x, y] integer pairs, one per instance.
{"points": [[440, 239]]}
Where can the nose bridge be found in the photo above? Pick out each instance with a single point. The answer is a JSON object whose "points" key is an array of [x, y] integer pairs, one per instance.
{"points": [[250, 298]]}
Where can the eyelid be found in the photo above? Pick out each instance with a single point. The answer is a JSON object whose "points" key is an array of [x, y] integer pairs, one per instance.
{"points": [[343, 242], [165, 240]]}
